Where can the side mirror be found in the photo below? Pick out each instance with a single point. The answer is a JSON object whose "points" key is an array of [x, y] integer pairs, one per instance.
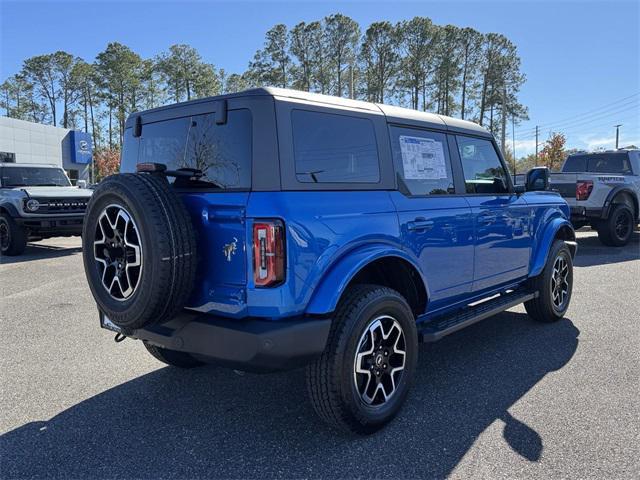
{"points": [[537, 179], [81, 183], [519, 189]]}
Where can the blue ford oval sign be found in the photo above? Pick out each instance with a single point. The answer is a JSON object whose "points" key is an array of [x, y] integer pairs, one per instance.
{"points": [[81, 148]]}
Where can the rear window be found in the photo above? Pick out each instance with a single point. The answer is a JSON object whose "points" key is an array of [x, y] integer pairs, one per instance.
{"points": [[615, 162], [575, 164], [331, 148], [221, 152]]}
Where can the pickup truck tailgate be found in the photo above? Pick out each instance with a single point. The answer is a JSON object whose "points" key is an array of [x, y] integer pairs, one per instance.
{"points": [[565, 184]]}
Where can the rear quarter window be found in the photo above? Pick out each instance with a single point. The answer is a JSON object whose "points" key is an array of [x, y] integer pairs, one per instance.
{"points": [[334, 148]]}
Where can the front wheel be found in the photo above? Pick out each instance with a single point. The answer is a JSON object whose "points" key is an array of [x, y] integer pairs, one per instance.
{"points": [[13, 239], [554, 286], [363, 377]]}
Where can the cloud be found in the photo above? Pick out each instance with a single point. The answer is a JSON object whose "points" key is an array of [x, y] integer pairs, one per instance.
{"points": [[598, 142], [525, 147], [593, 142]]}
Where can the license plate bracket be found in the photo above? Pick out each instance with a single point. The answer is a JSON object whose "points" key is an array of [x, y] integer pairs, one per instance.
{"points": [[106, 323]]}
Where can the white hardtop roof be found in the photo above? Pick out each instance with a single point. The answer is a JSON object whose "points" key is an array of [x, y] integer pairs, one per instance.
{"points": [[390, 111], [30, 165]]}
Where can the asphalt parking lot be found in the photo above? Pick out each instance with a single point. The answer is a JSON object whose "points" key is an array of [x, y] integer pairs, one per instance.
{"points": [[506, 398]]}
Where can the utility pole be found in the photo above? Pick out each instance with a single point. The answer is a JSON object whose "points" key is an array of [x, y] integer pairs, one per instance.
{"points": [[537, 131], [503, 121], [513, 143], [351, 92], [617, 134]]}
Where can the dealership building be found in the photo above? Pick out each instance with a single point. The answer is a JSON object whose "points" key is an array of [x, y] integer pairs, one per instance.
{"points": [[28, 142]]}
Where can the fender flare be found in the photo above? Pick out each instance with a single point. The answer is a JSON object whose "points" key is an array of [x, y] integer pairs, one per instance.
{"points": [[326, 295], [10, 209], [555, 226], [621, 189]]}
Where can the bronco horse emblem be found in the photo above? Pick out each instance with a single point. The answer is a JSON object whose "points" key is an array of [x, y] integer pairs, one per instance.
{"points": [[230, 249]]}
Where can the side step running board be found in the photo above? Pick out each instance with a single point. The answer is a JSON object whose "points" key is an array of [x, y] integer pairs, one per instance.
{"points": [[442, 326]]}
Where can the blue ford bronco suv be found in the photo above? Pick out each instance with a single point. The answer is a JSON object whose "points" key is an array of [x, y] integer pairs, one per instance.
{"points": [[273, 229]]}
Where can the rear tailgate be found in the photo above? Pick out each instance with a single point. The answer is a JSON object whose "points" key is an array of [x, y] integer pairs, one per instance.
{"points": [[219, 220], [564, 184]]}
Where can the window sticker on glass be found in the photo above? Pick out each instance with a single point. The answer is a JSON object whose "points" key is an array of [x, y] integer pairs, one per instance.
{"points": [[422, 158]]}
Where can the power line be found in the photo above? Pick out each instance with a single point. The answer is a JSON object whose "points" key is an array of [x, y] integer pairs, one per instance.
{"points": [[600, 122], [594, 116], [598, 110], [612, 116], [568, 131]]}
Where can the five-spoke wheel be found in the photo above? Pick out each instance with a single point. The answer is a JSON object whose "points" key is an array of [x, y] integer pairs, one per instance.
{"points": [[560, 282], [380, 360], [118, 252]]}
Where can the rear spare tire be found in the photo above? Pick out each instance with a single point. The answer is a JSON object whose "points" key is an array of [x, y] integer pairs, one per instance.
{"points": [[139, 250]]}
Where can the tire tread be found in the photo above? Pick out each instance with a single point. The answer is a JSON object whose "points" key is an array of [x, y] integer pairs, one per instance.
{"points": [[323, 375]]}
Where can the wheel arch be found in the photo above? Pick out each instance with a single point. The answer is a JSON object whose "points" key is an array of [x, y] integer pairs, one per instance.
{"points": [[623, 196], [375, 265], [558, 228], [9, 209]]}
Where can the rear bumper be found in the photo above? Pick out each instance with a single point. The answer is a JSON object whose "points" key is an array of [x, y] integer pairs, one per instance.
{"points": [[584, 214], [247, 344], [56, 226]]}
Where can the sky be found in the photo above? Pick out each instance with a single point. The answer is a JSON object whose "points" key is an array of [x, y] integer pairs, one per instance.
{"points": [[581, 58]]}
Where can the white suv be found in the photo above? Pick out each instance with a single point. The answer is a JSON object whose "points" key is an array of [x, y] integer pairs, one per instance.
{"points": [[37, 201]]}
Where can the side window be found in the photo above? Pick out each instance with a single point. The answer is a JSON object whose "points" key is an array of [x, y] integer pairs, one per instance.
{"points": [[222, 152], [483, 171], [422, 161], [332, 148]]}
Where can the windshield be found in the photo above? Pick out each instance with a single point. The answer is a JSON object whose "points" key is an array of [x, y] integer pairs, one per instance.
{"points": [[33, 177], [617, 162]]}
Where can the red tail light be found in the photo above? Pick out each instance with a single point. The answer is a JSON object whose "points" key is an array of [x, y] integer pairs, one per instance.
{"points": [[583, 189], [268, 253]]}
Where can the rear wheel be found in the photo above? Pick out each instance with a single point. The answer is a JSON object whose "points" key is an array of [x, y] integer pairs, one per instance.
{"points": [[616, 230], [363, 377], [554, 286], [172, 357], [13, 239]]}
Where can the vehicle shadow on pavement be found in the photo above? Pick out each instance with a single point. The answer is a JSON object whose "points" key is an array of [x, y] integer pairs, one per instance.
{"points": [[212, 422], [592, 252], [39, 252]]}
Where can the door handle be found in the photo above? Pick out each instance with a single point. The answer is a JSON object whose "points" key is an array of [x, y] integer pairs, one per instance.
{"points": [[420, 224]]}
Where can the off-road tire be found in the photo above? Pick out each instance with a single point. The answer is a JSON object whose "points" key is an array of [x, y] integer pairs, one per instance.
{"points": [[172, 357], [168, 246], [17, 237], [542, 308], [607, 232], [330, 379]]}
